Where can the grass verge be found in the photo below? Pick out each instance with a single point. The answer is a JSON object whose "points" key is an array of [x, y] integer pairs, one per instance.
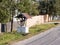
{"points": [[7, 38]]}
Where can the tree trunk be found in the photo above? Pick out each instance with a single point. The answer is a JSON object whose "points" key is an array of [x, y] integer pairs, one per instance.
{"points": [[12, 23]]}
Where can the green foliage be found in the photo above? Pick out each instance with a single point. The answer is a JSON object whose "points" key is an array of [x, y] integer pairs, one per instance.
{"points": [[47, 7], [57, 7], [7, 8], [4, 12], [28, 6], [51, 6]]}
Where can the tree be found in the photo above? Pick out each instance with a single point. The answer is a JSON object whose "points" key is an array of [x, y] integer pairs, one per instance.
{"points": [[47, 6], [8, 7], [4, 14], [7, 11], [23, 6], [57, 7], [51, 7], [28, 6]]}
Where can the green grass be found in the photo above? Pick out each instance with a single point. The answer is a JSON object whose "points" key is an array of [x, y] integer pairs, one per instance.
{"points": [[7, 38], [40, 28]]}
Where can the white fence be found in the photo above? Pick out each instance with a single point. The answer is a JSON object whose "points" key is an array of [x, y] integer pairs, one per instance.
{"points": [[35, 20]]}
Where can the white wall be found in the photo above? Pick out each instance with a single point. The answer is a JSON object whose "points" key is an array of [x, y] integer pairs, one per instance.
{"points": [[35, 20], [30, 22]]}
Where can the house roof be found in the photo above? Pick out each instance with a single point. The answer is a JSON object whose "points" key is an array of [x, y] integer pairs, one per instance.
{"points": [[26, 15], [23, 15]]}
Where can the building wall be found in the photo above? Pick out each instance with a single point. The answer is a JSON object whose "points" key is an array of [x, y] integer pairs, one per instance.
{"points": [[46, 18], [30, 22], [8, 26], [35, 20]]}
